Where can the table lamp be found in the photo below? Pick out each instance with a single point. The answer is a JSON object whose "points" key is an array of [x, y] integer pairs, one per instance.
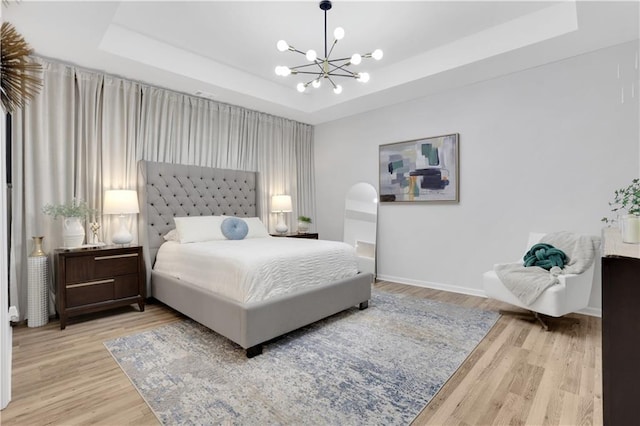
{"points": [[121, 202], [281, 204]]}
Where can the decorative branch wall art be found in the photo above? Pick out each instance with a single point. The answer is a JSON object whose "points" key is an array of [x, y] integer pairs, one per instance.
{"points": [[20, 79]]}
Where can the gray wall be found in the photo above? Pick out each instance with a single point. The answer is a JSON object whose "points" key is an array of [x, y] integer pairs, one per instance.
{"points": [[540, 150]]}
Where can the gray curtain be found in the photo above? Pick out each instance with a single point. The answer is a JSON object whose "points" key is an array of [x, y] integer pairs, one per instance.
{"points": [[86, 131]]}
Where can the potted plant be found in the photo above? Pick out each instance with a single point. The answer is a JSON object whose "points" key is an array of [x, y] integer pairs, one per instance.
{"points": [[626, 206], [303, 224], [73, 212]]}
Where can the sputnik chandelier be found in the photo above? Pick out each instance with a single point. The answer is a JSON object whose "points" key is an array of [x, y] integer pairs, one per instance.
{"points": [[326, 68]]}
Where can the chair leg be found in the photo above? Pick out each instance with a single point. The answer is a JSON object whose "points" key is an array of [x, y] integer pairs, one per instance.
{"points": [[527, 315], [534, 316], [539, 318]]}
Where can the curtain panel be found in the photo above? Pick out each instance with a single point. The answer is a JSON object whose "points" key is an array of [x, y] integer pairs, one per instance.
{"points": [[86, 131]]}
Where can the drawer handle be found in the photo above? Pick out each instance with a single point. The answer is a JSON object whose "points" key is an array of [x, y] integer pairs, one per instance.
{"points": [[92, 283], [116, 256]]}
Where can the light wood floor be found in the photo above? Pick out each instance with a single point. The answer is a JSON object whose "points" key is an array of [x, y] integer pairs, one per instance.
{"points": [[519, 374]]}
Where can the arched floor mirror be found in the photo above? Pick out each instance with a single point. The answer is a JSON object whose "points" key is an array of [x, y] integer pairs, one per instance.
{"points": [[360, 222]]}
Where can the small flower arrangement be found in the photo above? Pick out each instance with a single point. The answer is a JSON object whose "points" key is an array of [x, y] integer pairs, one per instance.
{"points": [[304, 219], [76, 208], [626, 199]]}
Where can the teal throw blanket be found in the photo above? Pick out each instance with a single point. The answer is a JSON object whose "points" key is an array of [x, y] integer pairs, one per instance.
{"points": [[545, 256]]}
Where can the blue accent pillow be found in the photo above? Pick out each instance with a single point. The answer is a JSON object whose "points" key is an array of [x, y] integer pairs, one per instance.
{"points": [[234, 228]]}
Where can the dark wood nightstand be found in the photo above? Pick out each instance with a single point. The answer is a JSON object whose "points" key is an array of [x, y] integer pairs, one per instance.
{"points": [[311, 236], [95, 279]]}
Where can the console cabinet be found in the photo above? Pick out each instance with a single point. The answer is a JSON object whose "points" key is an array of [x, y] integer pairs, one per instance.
{"points": [[620, 331], [95, 279]]}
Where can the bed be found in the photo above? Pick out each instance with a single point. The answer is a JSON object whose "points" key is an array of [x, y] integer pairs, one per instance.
{"points": [[169, 190]]}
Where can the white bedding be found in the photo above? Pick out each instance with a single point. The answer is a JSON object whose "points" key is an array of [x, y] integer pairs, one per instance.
{"points": [[257, 269]]}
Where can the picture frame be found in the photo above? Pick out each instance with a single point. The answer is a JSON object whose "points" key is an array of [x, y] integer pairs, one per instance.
{"points": [[420, 170]]}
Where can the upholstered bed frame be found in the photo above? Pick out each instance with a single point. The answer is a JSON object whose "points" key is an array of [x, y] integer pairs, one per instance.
{"points": [[170, 190]]}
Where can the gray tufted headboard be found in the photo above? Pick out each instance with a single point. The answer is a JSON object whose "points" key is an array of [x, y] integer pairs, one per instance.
{"points": [[169, 190]]}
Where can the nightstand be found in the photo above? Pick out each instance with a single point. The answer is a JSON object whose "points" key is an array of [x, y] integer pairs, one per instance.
{"points": [[311, 236], [95, 279]]}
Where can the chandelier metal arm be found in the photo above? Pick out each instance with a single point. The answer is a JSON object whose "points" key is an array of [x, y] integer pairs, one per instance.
{"points": [[332, 83], [341, 68], [319, 64], [293, 49], [319, 74], [342, 75], [339, 59], [304, 66], [350, 74], [332, 46], [337, 67]]}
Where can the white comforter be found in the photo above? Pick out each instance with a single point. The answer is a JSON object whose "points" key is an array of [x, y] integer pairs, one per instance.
{"points": [[257, 269]]}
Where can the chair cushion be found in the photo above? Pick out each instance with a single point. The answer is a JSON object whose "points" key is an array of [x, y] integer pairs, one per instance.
{"points": [[551, 302]]}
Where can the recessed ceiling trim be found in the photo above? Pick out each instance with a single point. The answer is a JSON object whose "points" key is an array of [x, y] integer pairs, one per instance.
{"points": [[132, 45], [545, 24]]}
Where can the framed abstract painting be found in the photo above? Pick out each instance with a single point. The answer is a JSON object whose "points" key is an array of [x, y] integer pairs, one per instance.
{"points": [[420, 170]]}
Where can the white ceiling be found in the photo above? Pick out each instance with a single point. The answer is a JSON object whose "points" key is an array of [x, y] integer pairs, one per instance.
{"points": [[228, 49]]}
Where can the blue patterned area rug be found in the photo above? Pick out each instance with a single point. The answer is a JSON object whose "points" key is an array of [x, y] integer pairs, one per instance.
{"points": [[381, 365]]}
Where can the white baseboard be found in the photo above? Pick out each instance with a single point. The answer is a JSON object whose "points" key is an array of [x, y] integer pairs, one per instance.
{"points": [[593, 312], [432, 285]]}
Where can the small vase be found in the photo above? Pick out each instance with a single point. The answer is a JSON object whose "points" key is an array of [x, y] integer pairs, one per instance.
{"points": [[37, 247], [630, 229], [72, 232]]}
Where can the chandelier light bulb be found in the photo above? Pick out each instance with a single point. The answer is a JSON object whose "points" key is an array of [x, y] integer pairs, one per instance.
{"points": [[282, 45], [356, 59], [377, 54], [311, 55], [283, 71], [338, 89], [316, 83], [338, 33], [301, 87], [363, 77]]}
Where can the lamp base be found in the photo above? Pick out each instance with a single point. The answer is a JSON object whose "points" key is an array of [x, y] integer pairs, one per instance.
{"points": [[122, 236], [281, 227]]}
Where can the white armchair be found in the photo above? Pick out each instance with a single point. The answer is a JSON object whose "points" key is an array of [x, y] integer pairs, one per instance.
{"points": [[570, 295]]}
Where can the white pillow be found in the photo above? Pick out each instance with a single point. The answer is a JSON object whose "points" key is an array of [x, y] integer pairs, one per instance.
{"points": [[193, 229], [256, 228], [171, 236]]}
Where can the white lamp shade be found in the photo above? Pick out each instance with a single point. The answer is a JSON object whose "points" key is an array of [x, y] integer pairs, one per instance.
{"points": [[120, 201], [281, 203]]}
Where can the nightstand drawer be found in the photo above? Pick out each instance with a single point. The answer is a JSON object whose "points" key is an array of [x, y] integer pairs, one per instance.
{"points": [[89, 292], [102, 290], [126, 286], [85, 268]]}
